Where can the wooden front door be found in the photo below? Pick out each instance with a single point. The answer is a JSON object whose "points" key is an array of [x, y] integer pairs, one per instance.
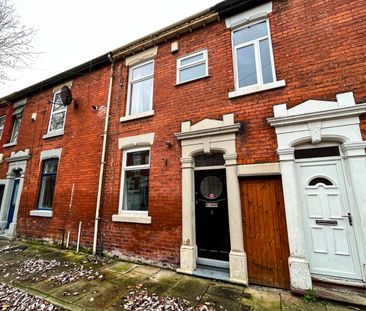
{"points": [[212, 218], [265, 232]]}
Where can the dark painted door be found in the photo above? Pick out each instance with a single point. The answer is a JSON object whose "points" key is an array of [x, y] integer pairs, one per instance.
{"points": [[13, 200], [212, 218]]}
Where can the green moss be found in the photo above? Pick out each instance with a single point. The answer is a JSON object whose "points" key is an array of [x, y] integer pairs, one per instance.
{"points": [[121, 267]]}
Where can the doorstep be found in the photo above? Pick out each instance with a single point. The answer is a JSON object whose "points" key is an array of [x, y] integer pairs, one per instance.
{"points": [[346, 295], [209, 272], [5, 236]]}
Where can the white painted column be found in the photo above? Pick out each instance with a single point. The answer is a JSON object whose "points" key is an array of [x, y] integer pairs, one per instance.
{"points": [[13, 225], [298, 264], [237, 257], [356, 163], [188, 250]]}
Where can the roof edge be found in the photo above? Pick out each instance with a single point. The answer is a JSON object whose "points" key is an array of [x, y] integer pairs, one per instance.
{"points": [[71, 73], [229, 8], [181, 27]]}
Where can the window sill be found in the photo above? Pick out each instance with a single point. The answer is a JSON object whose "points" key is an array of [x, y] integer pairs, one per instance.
{"points": [[188, 81], [136, 218], [53, 134], [41, 213], [257, 88], [12, 144], [137, 116]]}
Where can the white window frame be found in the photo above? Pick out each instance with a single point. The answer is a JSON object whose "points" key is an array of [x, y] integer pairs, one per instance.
{"points": [[3, 127], [17, 118], [254, 42], [132, 168], [130, 82], [190, 65], [59, 131]]}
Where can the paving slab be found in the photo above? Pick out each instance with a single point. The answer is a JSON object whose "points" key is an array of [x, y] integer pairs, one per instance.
{"points": [[261, 300], [190, 288], [121, 267], [220, 303], [292, 303], [103, 296], [168, 277], [74, 291], [150, 271], [227, 291], [156, 287], [131, 279]]}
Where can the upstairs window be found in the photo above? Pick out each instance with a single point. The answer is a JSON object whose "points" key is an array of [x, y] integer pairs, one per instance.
{"points": [[253, 57], [58, 114], [2, 124], [17, 119], [136, 171], [191, 67], [140, 88]]}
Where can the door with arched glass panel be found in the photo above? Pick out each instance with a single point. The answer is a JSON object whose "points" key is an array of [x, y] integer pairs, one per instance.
{"points": [[212, 219], [328, 222]]}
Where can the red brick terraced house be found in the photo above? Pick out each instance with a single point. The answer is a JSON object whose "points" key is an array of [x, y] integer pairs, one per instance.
{"points": [[228, 145]]}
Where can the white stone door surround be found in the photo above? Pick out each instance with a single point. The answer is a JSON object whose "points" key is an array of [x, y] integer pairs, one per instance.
{"points": [[314, 122], [17, 166], [207, 136]]}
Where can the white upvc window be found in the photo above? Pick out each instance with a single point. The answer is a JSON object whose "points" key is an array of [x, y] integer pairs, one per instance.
{"points": [[192, 66], [58, 115], [253, 56], [17, 119], [135, 180], [140, 89], [2, 124]]}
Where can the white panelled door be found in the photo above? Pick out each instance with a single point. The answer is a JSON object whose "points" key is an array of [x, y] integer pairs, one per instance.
{"points": [[329, 230]]}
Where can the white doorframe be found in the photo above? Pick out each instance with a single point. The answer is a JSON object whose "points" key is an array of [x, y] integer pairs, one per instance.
{"points": [[313, 122], [17, 167]]}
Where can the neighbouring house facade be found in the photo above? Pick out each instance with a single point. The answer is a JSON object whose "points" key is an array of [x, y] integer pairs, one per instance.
{"points": [[229, 145], [42, 145]]}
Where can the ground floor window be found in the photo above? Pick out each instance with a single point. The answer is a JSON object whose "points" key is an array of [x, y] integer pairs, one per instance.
{"points": [[135, 179], [48, 182]]}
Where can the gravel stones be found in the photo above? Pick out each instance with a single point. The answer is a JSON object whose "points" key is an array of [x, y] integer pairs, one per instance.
{"points": [[35, 266], [75, 274], [17, 300], [141, 299]]}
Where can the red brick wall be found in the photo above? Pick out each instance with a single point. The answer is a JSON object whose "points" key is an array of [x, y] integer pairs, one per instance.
{"points": [[319, 51], [79, 164]]}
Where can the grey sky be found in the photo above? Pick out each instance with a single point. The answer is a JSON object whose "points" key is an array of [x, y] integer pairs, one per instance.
{"points": [[74, 31]]}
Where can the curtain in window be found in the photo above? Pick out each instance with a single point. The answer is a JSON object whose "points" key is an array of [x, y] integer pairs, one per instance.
{"points": [[48, 189], [141, 96], [137, 190], [48, 182]]}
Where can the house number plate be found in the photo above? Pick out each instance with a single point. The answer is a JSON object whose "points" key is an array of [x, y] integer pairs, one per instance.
{"points": [[212, 205]]}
